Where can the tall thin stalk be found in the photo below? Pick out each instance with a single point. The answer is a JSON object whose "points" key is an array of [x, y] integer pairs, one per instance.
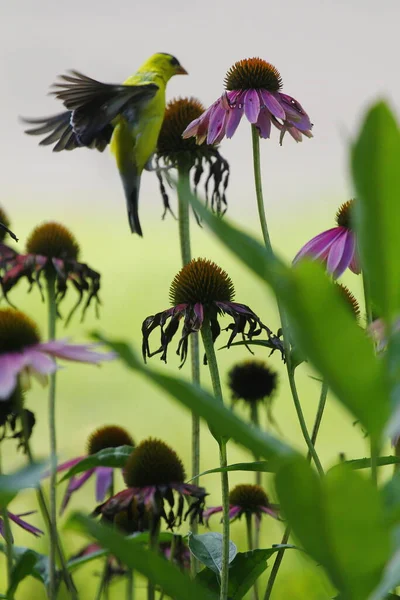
{"points": [[283, 318], [186, 256], [52, 316], [154, 535], [216, 383], [251, 545], [9, 542]]}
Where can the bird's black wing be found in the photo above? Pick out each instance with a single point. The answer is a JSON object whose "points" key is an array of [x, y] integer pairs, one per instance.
{"points": [[91, 108]]}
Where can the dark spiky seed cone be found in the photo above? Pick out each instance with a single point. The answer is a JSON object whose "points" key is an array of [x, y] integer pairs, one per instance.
{"points": [[109, 436], [343, 215], [252, 380], [248, 497], [350, 299], [17, 331], [253, 74], [54, 241], [5, 220], [153, 463], [178, 114], [201, 281]]}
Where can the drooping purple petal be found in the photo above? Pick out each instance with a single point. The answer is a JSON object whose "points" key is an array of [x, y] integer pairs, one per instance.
{"points": [[69, 464], [336, 251], [346, 252], [11, 364], [318, 246], [104, 477], [39, 361], [233, 119], [252, 105], [75, 352], [269, 511], [234, 512], [74, 484], [264, 123], [211, 511], [24, 525], [216, 125], [355, 266], [295, 113], [273, 104]]}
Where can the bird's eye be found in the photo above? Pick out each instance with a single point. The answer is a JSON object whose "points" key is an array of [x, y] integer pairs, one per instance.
{"points": [[174, 61]]}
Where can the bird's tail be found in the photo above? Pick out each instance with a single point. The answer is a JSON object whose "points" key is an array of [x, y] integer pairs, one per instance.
{"points": [[131, 183]]}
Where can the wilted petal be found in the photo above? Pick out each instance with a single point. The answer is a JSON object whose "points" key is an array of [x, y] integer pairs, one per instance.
{"points": [[24, 525], [104, 477], [252, 105], [232, 120], [273, 105], [295, 113], [216, 126], [264, 123]]}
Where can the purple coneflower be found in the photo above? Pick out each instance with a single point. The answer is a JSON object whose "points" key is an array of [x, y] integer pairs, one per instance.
{"points": [[245, 499], [252, 89], [337, 246], [200, 292], [23, 354], [187, 156], [51, 250], [153, 475], [21, 523], [110, 436]]}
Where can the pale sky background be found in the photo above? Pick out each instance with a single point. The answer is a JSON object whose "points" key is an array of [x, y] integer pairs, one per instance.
{"points": [[335, 57]]}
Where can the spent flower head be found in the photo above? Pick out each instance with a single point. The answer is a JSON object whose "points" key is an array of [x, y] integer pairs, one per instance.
{"points": [[335, 247], [22, 353], [51, 251], [202, 292], [246, 499], [14, 413], [253, 88], [153, 475], [189, 158], [108, 436], [252, 381]]}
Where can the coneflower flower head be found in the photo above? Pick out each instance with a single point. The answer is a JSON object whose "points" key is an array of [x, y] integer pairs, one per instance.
{"points": [[202, 291], [153, 474], [175, 151], [335, 247], [350, 299], [252, 89], [12, 411], [252, 381], [109, 436], [51, 251], [245, 499], [23, 354]]}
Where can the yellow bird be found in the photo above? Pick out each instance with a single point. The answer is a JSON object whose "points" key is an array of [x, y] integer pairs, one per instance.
{"points": [[127, 116]]}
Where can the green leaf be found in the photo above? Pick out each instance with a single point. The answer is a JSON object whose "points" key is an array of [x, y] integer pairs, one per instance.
{"points": [[365, 463], [336, 346], [329, 517], [21, 569], [160, 571], [203, 404], [375, 167], [245, 570], [27, 477], [207, 548], [110, 457], [75, 563], [40, 570], [262, 466]]}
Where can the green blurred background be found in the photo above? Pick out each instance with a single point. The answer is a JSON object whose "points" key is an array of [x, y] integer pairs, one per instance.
{"points": [[335, 58]]}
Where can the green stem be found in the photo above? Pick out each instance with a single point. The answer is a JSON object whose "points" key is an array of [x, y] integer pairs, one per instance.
{"points": [[154, 533], [130, 585], [216, 383], [103, 584], [52, 316], [374, 461], [251, 541], [367, 300], [256, 422], [283, 318], [9, 543], [285, 538], [186, 256]]}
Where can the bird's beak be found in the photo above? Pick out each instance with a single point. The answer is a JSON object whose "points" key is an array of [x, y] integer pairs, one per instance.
{"points": [[181, 71]]}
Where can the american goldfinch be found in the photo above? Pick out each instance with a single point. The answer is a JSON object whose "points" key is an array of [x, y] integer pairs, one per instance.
{"points": [[127, 116]]}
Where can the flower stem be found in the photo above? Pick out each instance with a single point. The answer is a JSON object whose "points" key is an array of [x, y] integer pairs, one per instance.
{"points": [[9, 542], [154, 533], [216, 383], [256, 422], [130, 585], [184, 238], [367, 300], [285, 538], [52, 316], [251, 546], [283, 318], [103, 584]]}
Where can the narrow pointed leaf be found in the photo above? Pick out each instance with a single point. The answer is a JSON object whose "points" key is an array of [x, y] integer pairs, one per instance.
{"points": [[12, 483], [110, 457], [262, 466]]}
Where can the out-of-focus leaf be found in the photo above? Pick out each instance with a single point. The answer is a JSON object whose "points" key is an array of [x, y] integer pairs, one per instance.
{"points": [[203, 404], [11, 484], [207, 548], [375, 167], [75, 563], [260, 465], [337, 346], [365, 463], [23, 567], [109, 457], [319, 511], [40, 570], [156, 568]]}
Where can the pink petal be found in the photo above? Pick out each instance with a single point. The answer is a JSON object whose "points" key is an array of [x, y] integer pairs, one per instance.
{"points": [[318, 246], [65, 466], [252, 105], [104, 477], [24, 525], [39, 361], [273, 105], [216, 126], [345, 252], [232, 120], [76, 352], [264, 123], [75, 483], [295, 113], [11, 364], [234, 511]]}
